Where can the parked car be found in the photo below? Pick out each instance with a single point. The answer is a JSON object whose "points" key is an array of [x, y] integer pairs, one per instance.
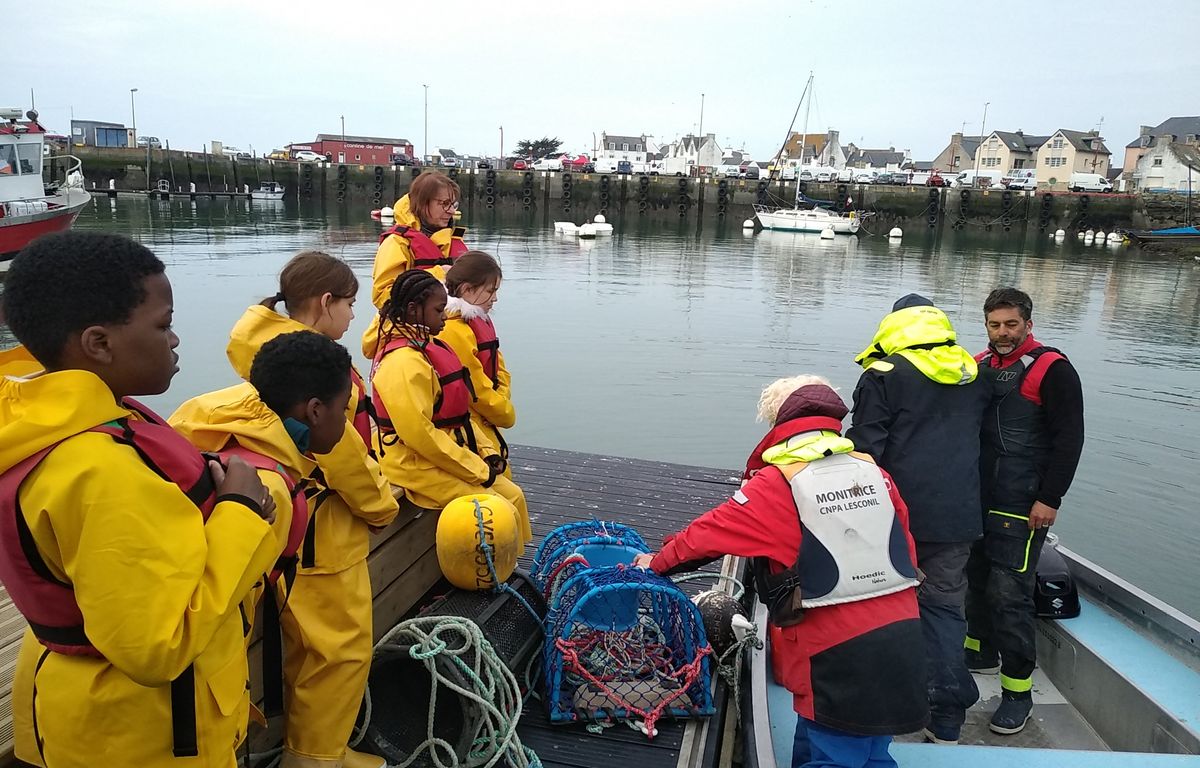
{"points": [[1020, 178], [278, 154], [450, 162], [149, 141], [936, 180], [1089, 182], [483, 165], [806, 175], [308, 156], [864, 177], [826, 176], [588, 168], [977, 179], [549, 163], [520, 165], [748, 171]]}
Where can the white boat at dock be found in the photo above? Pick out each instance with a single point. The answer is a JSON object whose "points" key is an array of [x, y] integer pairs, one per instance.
{"points": [[815, 219], [268, 190]]}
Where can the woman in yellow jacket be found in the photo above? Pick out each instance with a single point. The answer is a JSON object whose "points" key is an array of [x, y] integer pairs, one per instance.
{"points": [[422, 398], [422, 238], [472, 284], [327, 622], [156, 585]]}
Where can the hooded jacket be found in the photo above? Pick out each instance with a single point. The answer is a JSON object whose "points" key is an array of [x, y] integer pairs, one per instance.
{"points": [[849, 666], [339, 532], [158, 587], [493, 399], [394, 256], [918, 411]]}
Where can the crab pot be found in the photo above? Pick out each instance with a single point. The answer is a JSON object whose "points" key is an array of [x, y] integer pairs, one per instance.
{"points": [[506, 621], [625, 643], [400, 694], [563, 542]]}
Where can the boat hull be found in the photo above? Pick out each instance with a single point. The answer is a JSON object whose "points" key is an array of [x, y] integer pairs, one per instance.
{"points": [[18, 231], [807, 221], [266, 195]]}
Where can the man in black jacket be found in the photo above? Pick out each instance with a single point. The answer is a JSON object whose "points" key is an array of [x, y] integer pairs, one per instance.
{"points": [[1032, 440], [918, 410]]}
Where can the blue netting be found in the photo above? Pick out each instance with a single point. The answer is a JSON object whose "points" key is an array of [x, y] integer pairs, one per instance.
{"points": [[624, 643], [561, 543]]}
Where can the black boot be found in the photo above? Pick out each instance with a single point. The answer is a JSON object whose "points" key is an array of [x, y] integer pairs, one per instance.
{"points": [[1014, 711], [982, 662]]}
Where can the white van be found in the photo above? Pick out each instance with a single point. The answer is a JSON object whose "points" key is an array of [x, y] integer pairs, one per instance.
{"points": [[1089, 182], [1021, 179], [981, 179]]}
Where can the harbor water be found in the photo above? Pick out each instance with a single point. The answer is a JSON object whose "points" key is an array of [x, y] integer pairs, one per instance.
{"points": [[655, 342]]}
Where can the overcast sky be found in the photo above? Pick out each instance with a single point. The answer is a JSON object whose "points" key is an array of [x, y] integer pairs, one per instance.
{"points": [[902, 73]]}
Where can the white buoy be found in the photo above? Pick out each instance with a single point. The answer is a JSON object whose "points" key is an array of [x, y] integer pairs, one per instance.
{"points": [[1078, 235], [387, 211], [1060, 234], [896, 232], [1115, 237], [1102, 235], [599, 218], [1051, 235], [587, 231], [748, 224], [1090, 233], [566, 227], [827, 234], [603, 229]]}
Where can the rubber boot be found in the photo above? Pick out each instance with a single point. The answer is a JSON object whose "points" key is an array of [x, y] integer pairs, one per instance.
{"points": [[982, 663], [355, 759], [1013, 713], [292, 760]]}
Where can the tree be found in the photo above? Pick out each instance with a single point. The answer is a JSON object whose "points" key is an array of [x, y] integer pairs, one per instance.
{"points": [[537, 148]]}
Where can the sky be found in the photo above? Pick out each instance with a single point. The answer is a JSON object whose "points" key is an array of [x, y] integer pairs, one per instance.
{"points": [[888, 73]]}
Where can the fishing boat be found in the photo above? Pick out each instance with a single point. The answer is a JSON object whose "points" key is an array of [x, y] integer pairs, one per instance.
{"points": [[29, 205], [268, 190], [1170, 236], [806, 214], [1118, 685]]}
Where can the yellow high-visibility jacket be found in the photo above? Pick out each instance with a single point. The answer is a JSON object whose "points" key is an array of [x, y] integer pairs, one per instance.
{"points": [[158, 587]]}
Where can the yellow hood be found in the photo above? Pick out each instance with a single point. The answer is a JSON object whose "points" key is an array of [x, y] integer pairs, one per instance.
{"points": [[37, 412], [18, 362], [925, 337], [403, 214], [807, 448], [211, 420], [256, 327]]}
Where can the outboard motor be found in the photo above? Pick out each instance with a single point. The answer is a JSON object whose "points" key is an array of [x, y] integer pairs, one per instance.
{"points": [[1055, 596]]}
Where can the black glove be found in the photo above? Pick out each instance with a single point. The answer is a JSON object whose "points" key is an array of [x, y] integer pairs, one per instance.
{"points": [[496, 463]]}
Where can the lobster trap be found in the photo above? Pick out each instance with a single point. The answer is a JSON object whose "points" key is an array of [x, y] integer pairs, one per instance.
{"points": [[622, 643]]}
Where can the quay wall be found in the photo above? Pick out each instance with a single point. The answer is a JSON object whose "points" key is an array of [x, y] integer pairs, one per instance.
{"points": [[578, 197]]}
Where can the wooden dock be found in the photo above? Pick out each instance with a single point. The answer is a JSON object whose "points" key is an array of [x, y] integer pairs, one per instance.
{"points": [[655, 498], [159, 194]]}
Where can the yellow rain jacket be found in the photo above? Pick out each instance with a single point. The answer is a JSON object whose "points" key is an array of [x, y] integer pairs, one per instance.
{"points": [[426, 460], [924, 336], [342, 530], [393, 257], [327, 618], [18, 362], [158, 586]]}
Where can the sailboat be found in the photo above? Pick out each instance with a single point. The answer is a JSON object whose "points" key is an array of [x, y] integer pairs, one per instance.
{"points": [[1186, 235], [806, 214]]}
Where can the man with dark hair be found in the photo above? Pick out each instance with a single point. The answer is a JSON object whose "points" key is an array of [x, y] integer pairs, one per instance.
{"points": [[918, 410], [1032, 440]]}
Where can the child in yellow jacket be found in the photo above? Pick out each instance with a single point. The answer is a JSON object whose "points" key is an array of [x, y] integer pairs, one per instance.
{"points": [[472, 284], [326, 622], [427, 443], [153, 573], [292, 410]]}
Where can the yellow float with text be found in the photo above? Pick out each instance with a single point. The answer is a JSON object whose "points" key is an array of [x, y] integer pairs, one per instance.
{"points": [[469, 529]]}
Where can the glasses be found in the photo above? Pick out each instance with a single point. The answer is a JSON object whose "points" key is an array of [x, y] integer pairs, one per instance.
{"points": [[448, 205]]}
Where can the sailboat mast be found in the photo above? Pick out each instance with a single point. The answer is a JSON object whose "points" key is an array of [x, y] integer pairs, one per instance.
{"points": [[807, 110]]}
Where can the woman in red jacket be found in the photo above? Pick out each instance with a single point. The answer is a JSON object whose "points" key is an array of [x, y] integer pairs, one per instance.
{"points": [[835, 565]]}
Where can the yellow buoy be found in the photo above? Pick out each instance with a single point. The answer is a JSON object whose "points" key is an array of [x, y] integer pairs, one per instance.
{"points": [[466, 525]]}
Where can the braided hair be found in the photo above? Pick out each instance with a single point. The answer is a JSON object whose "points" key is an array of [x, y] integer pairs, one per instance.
{"points": [[414, 286]]}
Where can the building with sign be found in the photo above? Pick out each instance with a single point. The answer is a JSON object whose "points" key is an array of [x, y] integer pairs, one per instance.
{"points": [[363, 150]]}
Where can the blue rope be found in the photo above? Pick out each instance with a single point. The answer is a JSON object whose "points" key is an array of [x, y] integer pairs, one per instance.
{"points": [[498, 586]]}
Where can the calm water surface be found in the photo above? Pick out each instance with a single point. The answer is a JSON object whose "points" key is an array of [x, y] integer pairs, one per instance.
{"points": [[655, 343]]}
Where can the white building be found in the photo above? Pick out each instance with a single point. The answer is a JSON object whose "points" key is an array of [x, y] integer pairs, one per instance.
{"points": [[632, 148], [692, 152], [1166, 164]]}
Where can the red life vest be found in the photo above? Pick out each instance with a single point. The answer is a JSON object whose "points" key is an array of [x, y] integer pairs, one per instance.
{"points": [[362, 411], [452, 408], [1035, 357], [426, 254], [286, 564], [486, 346]]}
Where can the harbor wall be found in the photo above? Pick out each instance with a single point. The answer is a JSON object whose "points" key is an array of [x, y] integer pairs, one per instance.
{"points": [[579, 197]]}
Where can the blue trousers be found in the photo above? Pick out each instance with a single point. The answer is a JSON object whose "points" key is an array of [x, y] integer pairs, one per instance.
{"points": [[817, 746], [940, 597]]}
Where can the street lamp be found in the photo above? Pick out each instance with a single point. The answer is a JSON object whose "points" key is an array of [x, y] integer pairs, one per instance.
{"points": [[133, 115], [426, 87]]}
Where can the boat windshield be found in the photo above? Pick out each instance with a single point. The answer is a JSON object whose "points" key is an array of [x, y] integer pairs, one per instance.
{"points": [[8, 160], [21, 159]]}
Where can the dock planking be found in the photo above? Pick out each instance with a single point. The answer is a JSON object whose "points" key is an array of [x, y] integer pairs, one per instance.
{"points": [[655, 498]]}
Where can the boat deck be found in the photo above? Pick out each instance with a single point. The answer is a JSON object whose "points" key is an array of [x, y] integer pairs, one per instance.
{"points": [[656, 499]]}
